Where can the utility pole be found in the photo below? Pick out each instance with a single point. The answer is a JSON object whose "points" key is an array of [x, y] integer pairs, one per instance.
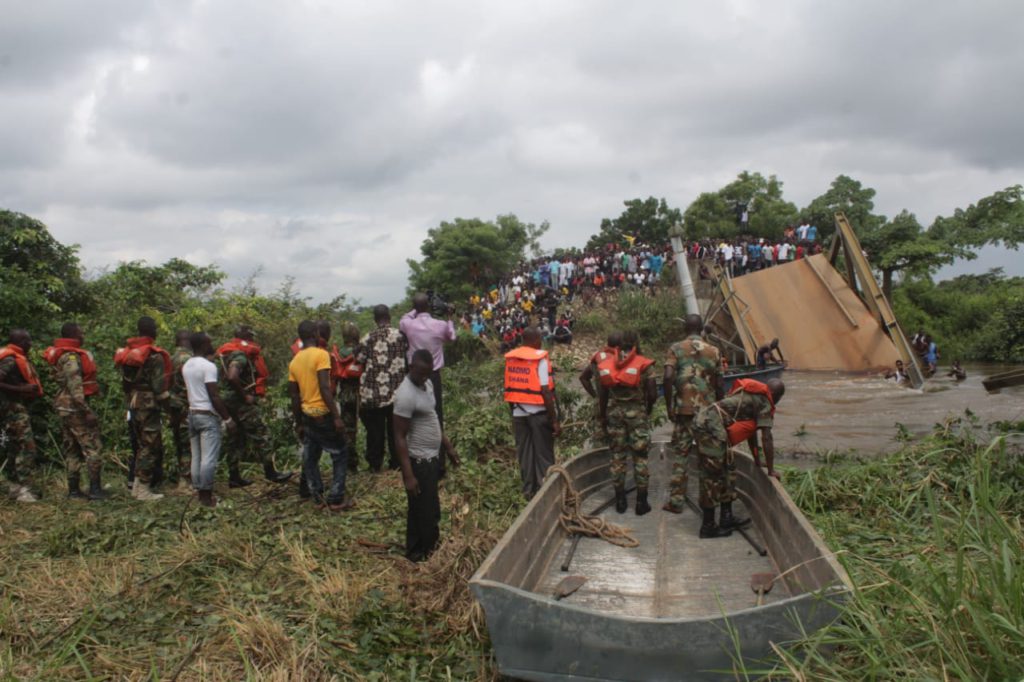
{"points": [[683, 270]]}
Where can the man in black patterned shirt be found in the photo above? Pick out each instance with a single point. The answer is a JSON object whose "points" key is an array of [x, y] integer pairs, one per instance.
{"points": [[382, 355]]}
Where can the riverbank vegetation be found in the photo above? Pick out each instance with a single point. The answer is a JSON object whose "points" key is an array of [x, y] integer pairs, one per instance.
{"points": [[932, 538]]}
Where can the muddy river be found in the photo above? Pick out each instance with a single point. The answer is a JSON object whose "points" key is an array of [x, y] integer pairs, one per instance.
{"points": [[825, 411]]}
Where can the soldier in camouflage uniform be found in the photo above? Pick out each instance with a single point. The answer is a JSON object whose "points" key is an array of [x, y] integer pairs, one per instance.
{"points": [[717, 473], [693, 379], [145, 388], [19, 384], [241, 396], [348, 393], [625, 412], [177, 409], [74, 372]]}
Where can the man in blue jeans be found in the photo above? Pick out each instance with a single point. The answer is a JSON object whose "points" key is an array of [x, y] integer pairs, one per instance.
{"points": [[206, 413], [318, 419]]}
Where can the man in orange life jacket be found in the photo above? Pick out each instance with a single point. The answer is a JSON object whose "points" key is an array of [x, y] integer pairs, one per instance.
{"points": [[145, 377], [625, 413], [529, 391], [245, 373], [749, 408], [74, 372], [601, 363], [19, 384], [347, 373]]}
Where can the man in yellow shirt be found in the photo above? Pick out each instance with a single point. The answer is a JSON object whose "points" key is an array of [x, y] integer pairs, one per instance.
{"points": [[318, 419]]}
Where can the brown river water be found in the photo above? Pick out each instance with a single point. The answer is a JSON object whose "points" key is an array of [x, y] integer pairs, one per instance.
{"points": [[826, 411]]}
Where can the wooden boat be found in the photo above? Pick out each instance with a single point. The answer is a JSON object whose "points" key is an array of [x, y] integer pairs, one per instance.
{"points": [[675, 607], [1013, 377], [771, 371]]}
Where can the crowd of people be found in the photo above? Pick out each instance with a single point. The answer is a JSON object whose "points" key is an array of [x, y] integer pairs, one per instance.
{"points": [[746, 254], [541, 291]]}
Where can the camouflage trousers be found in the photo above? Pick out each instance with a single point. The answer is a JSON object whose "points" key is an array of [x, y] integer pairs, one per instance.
{"points": [[251, 437], [681, 446], [80, 442], [350, 415], [717, 468], [177, 421], [629, 433], [16, 441], [148, 429]]}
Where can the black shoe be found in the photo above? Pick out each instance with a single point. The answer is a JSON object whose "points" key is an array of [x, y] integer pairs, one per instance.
{"points": [[708, 529], [642, 507], [304, 492], [275, 476], [206, 499], [727, 520], [620, 500], [75, 490], [235, 480], [96, 492]]}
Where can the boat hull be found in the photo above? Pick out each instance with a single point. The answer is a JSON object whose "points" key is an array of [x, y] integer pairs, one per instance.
{"points": [[1014, 377], [536, 637]]}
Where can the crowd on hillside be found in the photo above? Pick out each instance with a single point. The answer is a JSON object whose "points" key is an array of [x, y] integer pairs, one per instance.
{"points": [[541, 291], [745, 254]]}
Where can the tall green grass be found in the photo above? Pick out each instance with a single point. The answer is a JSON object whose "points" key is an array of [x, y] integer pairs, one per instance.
{"points": [[933, 541]]}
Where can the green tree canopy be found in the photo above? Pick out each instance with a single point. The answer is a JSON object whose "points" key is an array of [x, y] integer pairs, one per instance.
{"points": [[848, 196], [902, 245], [466, 255], [647, 220], [39, 276], [716, 214]]}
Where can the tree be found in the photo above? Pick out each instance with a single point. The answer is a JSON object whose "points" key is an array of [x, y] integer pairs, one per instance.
{"points": [[644, 220], [716, 214], [466, 255], [39, 276], [902, 245], [998, 217], [848, 196]]}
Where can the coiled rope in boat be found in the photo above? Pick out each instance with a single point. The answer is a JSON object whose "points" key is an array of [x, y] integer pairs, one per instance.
{"points": [[575, 522]]}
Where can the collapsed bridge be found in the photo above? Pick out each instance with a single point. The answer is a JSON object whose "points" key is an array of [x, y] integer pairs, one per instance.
{"points": [[827, 311]]}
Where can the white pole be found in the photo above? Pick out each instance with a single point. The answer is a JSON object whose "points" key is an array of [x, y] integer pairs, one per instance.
{"points": [[685, 282]]}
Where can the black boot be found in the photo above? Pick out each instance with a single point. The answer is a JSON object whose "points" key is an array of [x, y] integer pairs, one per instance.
{"points": [[620, 499], [74, 488], [641, 502], [96, 491], [275, 476], [304, 492], [206, 499], [727, 520], [235, 479], [708, 529]]}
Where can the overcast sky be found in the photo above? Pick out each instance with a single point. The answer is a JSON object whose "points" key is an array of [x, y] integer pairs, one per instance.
{"points": [[322, 139]]}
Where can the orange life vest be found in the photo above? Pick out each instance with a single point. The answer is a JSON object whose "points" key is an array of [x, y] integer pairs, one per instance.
{"points": [[753, 386], [28, 373], [522, 376], [629, 369], [741, 431], [605, 362], [255, 355], [137, 350], [345, 368], [61, 346]]}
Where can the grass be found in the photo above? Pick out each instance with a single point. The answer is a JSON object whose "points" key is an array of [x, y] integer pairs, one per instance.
{"points": [[933, 542]]}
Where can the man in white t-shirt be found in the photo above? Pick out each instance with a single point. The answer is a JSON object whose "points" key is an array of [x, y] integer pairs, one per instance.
{"points": [[206, 412]]}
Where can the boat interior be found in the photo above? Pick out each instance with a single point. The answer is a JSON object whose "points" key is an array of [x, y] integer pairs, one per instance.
{"points": [[672, 573]]}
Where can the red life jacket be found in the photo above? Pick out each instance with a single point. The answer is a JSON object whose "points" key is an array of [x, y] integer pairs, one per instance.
{"points": [[753, 386], [61, 346], [605, 360], [28, 373], [137, 350], [345, 368], [522, 376], [629, 369], [255, 355], [740, 431]]}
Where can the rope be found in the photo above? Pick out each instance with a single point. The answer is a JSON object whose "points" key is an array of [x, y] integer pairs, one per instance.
{"points": [[575, 522]]}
